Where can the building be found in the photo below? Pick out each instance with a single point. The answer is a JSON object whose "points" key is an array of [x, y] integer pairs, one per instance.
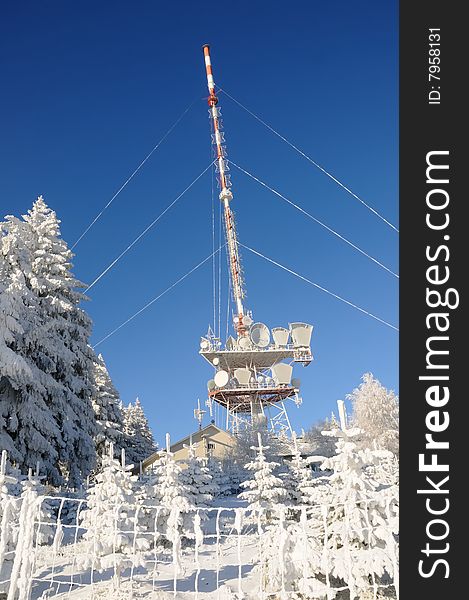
{"points": [[209, 441]]}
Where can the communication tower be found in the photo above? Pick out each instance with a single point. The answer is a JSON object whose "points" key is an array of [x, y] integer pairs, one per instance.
{"points": [[254, 368]]}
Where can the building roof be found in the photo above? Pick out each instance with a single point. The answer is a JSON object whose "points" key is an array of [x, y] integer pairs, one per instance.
{"points": [[210, 428]]}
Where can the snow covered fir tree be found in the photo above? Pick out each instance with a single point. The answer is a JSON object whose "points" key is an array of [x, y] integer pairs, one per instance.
{"points": [[264, 490], [140, 443], [57, 403]]}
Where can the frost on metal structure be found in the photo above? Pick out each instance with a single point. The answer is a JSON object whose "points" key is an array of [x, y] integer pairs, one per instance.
{"points": [[253, 371]]}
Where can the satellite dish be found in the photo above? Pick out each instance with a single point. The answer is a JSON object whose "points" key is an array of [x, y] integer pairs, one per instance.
{"points": [[243, 376], [204, 344], [244, 343], [260, 335], [296, 383], [247, 321], [215, 361], [281, 373], [280, 335], [301, 334], [260, 380], [221, 378], [211, 385]]}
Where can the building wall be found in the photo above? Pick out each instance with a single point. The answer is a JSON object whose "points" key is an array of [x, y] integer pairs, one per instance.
{"points": [[210, 442]]}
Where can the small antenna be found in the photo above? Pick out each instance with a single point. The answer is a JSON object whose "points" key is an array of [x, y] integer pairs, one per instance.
{"points": [[199, 414]]}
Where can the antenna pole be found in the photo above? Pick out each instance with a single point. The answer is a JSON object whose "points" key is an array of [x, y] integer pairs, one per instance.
{"points": [[226, 195]]}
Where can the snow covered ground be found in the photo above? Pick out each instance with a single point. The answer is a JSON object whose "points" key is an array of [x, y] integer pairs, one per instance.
{"points": [[227, 560]]}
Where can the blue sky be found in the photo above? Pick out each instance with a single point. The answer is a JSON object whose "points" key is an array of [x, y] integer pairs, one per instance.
{"points": [[88, 90]]}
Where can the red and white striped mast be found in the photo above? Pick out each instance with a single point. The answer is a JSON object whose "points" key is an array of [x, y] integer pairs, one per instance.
{"points": [[226, 196]]}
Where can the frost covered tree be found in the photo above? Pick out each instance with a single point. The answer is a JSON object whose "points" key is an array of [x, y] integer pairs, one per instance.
{"points": [[264, 490], [376, 413], [167, 486], [46, 386], [139, 438], [63, 346], [172, 501], [107, 408], [28, 430], [111, 519], [347, 536], [221, 476], [298, 478], [362, 516], [320, 444], [197, 479]]}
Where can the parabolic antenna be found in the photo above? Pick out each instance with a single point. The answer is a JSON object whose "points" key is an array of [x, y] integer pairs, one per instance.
{"points": [[221, 378], [247, 321], [260, 335], [204, 344], [211, 385], [215, 361], [296, 383]]}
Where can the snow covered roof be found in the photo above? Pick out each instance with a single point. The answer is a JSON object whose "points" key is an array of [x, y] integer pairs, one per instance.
{"points": [[208, 431], [210, 428]]}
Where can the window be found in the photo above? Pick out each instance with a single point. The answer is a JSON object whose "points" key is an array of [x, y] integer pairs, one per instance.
{"points": [[211, 446]]}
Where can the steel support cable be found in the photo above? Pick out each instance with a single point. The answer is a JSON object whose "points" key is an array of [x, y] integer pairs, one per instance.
{"points": [[302, 210], [308, 158], [214, 277], [220, 234], [148, 304], [139, 237], [132, 175], [320, 287]]}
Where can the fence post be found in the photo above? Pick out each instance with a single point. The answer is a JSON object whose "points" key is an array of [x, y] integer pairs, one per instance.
{"points": [[21, 573]]}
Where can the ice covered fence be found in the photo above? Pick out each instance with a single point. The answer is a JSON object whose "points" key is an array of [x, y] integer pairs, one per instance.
{"points": [[57, 547]]}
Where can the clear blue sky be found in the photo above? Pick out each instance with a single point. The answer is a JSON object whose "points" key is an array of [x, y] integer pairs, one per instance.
{"points": [[88, 88]]}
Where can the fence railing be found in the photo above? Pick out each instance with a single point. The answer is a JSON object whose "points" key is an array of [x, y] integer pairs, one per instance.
{"points": [[57, 547]]}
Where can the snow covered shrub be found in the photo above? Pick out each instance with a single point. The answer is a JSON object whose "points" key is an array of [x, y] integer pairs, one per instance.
{"points": [[298, 478], [113, 535], [360, 517], [169, 518], [289, 557], [197, 479], [264, 491], [33, 492], [346, 535]]}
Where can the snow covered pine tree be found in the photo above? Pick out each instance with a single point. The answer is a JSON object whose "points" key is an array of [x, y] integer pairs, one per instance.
{"points": [[264, 492], [139, 438], [113, 536], [109, 417], [197, 479], [46, 386]]}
